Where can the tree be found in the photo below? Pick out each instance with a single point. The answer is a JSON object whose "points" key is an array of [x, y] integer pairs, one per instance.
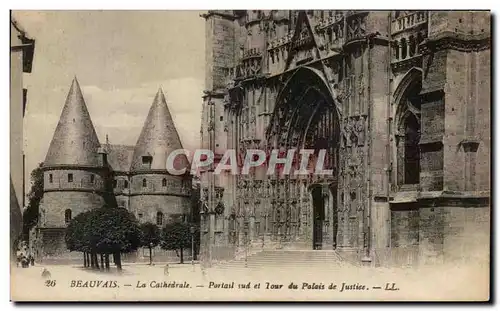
{"points": [[104, 231], [30, 214], [150, 237], [176, 236]]}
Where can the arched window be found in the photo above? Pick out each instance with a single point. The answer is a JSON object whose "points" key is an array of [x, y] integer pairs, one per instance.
{"points": [[67, 215], [159, 218], [125, 184], [164, 182], [412, 150], [70, 177], [50, 178], [404, 48], [115, 183], [144, 184], [413, 46], [92, 178]]}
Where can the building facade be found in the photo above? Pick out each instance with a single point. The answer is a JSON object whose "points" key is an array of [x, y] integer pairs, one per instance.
{"points": [[399, 99], [81, 174], [21, 59]]}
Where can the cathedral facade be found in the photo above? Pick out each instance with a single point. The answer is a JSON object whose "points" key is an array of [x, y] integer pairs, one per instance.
{"points": [[399, 99], [81, 174]]}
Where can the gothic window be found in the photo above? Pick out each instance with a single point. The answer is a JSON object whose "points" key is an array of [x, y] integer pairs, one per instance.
{"points": [[164, 182], [403, 48], [409, 129], [412, 150], [70, 177], [125, 184], [50, 178], [67, 215], [92, 178], [159, 219], [144, 184], [413, 46]]}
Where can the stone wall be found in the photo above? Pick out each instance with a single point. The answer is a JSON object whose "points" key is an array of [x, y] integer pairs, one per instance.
{"points": [[55, 203]]}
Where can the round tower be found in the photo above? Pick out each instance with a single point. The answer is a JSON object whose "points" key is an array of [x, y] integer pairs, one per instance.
{"points": [[75, 174], [157, 196]]}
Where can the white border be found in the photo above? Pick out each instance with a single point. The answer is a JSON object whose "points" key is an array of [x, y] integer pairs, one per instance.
{"points": [[192, 5]]}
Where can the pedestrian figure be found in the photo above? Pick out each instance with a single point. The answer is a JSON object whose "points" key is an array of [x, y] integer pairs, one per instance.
{"points": [[45, 273], [165, 269], [32, 260], [24, 262]]}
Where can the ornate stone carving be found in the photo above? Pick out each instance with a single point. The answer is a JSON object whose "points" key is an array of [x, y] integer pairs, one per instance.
{"points": [[360, 131]]}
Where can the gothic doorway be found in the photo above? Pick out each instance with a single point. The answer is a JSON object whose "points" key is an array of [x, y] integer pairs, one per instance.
{"points": [[318, 216], [306, 116]]}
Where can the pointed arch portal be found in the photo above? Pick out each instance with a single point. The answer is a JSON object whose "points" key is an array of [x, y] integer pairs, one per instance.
{"points": [[306, 117]]}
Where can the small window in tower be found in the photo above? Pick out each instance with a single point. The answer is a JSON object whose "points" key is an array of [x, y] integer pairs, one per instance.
{"points": [[115, 183], [159, 218], [139, 215], [50, 178], [221, 118], [164, 182], [67, 215], [144, 184], [70, 177], [92, 178], [125, 184]]}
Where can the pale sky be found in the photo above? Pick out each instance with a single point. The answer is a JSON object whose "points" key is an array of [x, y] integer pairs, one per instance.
{"points": [[120, 58]]}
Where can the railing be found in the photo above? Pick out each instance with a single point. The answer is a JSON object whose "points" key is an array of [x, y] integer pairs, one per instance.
{"points": [[408, 21]]}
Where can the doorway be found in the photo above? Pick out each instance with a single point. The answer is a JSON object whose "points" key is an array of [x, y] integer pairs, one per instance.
{"points": [[318, 217]]}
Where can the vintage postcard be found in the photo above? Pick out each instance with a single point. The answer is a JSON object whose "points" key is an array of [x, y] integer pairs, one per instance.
{"points": [[250, 155]]}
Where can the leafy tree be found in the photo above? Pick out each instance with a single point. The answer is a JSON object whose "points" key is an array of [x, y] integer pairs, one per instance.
{"points": [[104, 231], [150, 237], [177, 236], [30, 214]]}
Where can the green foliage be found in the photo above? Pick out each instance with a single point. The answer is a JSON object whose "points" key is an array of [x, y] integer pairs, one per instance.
{"points": [[104, 230], [30, 214], [176, 235], [150, 235], [75, 233]]}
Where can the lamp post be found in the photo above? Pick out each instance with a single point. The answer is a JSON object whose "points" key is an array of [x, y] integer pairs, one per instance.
{"points": [[192, 246]]}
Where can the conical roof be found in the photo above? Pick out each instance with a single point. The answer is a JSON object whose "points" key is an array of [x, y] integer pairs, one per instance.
{"points": [[158, 139], [75, 141]]}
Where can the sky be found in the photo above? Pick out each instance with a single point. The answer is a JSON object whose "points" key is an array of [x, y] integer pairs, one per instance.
{"points": [[120, 59]]}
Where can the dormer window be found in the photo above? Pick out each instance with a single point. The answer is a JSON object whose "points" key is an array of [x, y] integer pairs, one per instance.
{"points": [[146, 161]]}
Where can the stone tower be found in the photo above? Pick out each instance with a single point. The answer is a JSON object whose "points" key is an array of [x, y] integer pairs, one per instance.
{"points": [[156, 195], [75, 174]]}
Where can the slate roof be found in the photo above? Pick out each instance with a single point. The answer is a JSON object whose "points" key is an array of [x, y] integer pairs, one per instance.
{"points": [[75, 141], [119, 156], [158, 138]]}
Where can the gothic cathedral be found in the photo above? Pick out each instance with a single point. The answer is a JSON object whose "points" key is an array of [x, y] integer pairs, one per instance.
{"points": [[401, 101]]}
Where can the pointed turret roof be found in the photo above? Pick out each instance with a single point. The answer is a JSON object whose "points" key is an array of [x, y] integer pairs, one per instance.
{"points": [[158, 138], [75, 141]]}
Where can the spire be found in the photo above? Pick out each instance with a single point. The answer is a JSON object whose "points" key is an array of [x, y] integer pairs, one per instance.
{"points": [[75, 141], [158, 138]]}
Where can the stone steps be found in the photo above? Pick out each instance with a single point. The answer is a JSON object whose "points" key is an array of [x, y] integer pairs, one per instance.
{"points": [[288, 259]]}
